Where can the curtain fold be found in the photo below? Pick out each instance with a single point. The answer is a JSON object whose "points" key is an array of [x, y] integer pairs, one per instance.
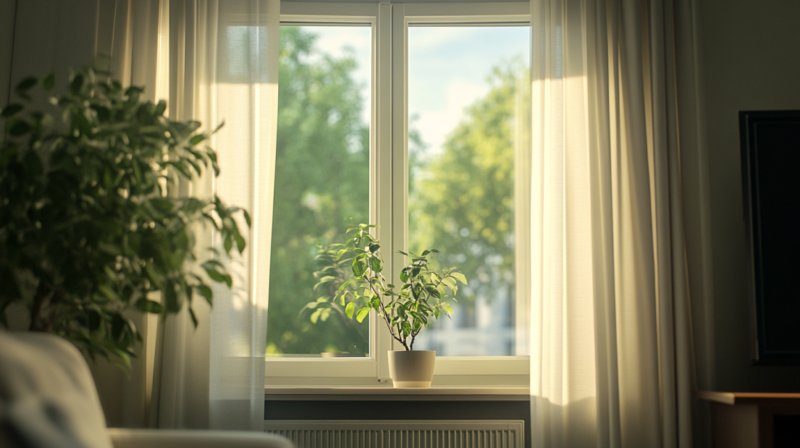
{"points": [[622, 332], [128, 40], [215, 62]]}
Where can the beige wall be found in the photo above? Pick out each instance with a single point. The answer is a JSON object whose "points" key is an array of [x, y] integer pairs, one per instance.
{"points": [[7, 9], [53, 36], [751, 61]]}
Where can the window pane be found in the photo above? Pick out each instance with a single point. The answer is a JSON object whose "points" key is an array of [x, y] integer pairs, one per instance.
{"points": [[321, 180], [468, 108]]}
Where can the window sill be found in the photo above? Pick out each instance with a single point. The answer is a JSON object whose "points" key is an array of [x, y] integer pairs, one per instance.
{"points": [[348, 393]]}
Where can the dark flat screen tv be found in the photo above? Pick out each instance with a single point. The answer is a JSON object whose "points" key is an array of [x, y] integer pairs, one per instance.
{"points": [[770, 143]]}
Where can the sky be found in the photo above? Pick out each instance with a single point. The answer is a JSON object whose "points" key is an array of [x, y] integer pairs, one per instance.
{"points": [[447, 71], [447, 67]]}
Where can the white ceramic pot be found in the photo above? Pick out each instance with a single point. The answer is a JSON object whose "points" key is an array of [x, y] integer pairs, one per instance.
{"points": [[411, 369]]}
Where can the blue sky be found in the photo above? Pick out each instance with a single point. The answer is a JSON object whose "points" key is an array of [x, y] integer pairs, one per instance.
{"points": [[447, 67], [447, 71]]}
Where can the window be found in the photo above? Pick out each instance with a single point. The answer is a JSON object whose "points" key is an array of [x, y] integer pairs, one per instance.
{"points": [[413, 117], [466, 97], [322, 177]]}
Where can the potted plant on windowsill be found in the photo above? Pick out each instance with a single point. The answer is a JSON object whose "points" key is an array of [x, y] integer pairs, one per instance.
{"points": [[405, 309]]}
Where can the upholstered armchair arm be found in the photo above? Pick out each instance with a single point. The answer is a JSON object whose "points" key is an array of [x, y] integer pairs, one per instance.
{"points": [[160, 438]]}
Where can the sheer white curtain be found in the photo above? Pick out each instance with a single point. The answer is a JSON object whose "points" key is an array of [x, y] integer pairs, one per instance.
{"points": [[620, 244], [129, 32], [213, 61]]}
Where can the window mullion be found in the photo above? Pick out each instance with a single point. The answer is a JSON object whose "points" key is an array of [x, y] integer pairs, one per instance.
{"points": [[399, 144], [382, 181]]}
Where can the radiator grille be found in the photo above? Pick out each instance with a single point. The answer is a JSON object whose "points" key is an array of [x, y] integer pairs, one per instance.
{"points": [[400, 433]]}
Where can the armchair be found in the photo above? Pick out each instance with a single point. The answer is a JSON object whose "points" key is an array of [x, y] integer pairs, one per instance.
{"points": [[48, 399]]}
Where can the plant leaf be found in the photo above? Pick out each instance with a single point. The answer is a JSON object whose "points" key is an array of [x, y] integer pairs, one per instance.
{"points": [[10, 110], [26, 84], [206, 292], [18, 127], [447, 308], [163, 205], [323, 280], [362, 313], [247, 218], [325, 314], [375, 264], [359, 267], [218, 276], [149, 306], [228, 244], [160, 108], [48, 82], [459, 276], [108, 292], [344, 285]]}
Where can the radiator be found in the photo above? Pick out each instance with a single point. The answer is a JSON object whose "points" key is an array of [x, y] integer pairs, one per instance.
{"points": [[400, 433]]}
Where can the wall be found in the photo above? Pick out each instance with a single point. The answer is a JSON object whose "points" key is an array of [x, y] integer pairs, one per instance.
{"points": [[38, 37], [7, 14], [750, 62], [51, 36]]}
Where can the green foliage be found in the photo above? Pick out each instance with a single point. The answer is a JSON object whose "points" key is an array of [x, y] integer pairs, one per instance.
{"points": [[334, 268], [87, 230], [406, 309], [321, 178], [463, 199]]}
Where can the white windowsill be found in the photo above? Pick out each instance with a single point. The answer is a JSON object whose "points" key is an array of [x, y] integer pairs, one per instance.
{"points": [[349, 393]]}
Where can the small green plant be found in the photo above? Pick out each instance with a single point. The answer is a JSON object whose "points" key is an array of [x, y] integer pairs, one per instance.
{"points": [[87, 229], [405, 310]]}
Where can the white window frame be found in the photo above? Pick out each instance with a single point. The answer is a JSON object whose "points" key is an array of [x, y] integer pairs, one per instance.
{"points": [[389, 186]]}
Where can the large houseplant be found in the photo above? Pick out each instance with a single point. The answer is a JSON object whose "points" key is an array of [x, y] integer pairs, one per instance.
{"points": [[357, 268], [88, 230]]}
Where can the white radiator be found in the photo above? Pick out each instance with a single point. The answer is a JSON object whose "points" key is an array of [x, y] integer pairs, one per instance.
{"points": [[400, 433]]}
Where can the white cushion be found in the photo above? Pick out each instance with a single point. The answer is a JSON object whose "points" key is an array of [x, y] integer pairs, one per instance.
{"points": [[47, 394]]}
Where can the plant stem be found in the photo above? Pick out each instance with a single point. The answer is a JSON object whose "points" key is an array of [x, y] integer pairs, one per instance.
{"points": [[38, 302], [414, 335], [38, 321], [383, 311]]}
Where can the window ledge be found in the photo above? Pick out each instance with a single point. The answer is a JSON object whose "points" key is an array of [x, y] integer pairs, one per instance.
{"points": [[349, 393]]}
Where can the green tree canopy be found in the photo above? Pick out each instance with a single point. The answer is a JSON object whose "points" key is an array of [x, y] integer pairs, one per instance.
{"points": [[321, 180], [462, 200]]}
